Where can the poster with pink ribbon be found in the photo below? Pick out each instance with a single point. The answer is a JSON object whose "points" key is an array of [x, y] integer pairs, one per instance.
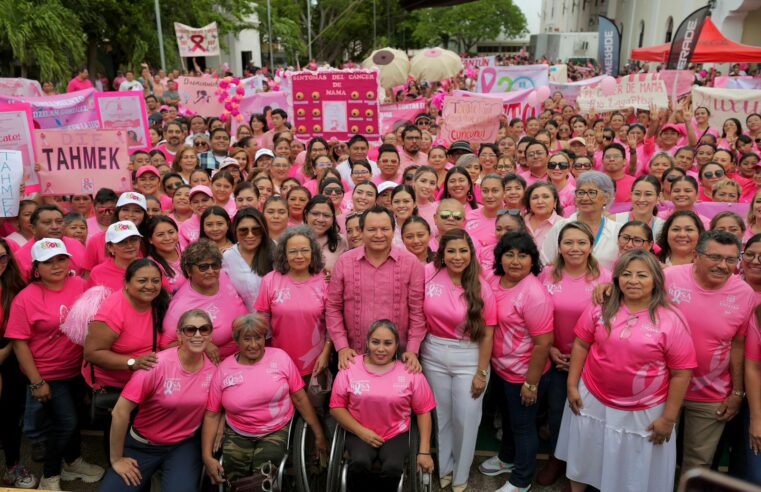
{"points": [[394, 114], [336, 104], [77, 162], [125, 111], [20, 87], [197, 41], [256, 103], [75, 110], [17, 133]]}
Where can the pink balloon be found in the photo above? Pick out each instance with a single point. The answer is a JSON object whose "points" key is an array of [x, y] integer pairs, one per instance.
{"points": [[531, 99], [608, 86], [542, 94]]}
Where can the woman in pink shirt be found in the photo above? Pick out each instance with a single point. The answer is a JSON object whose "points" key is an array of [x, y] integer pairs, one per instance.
{"points": [[122, 247], [570, 281], [217, 228], [416, 236], [163, 247], [222, 185], [559, 172], [480, 223], [637, 358], [544, 210], [684, 193], [424, 183], [320, 216], [201, 198], [459, 185], [132, 207], [292, 297], [679, 238], [51, 361], [24, 230], [257, 389], [181, 210], [460, 316], [171, 400], [275, 212], [522, 342], [373, 400], [297, 199]]}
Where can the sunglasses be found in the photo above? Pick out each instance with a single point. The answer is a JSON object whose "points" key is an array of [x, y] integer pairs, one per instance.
{"points": [[173, 186], [245, 231], [200, 144], [515, 212], [607, 137], [582, 166], [332, 191], [203, 267], [448, 214], [105, 210], [557, 165], [190, 330], [712, 174]]}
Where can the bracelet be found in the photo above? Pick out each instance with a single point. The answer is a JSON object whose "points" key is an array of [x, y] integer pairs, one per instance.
{"points": [[424, 454], [36, 386]]}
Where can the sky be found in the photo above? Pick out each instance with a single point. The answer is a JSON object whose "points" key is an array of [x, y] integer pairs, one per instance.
{"points": [[531, 9]]}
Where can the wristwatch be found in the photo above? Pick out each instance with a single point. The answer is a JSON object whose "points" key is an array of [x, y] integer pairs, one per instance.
{"points": [[530, 387], [483, 372], [131, 364], [741, 394]]}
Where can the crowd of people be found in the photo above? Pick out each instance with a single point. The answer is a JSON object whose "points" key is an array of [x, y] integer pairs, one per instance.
{"points": [[572, 271]]}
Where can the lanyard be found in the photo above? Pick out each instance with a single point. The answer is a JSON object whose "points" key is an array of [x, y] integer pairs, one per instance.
{"points": [[599, 231]]}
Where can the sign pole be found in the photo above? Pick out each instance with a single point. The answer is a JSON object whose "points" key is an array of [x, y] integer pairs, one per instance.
{"points": [[160, 33]]}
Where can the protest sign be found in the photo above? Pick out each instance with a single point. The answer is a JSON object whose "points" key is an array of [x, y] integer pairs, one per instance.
{"points": [[633, 91], [512, 78], [75, 110], [726, 103], [559, 73], [677, 80], [253, 84], [256, 103], [11, 175], [393, 114], [77, 162], [741, 82], [571, 90], [125, 111], [17, 133], [475, 119], [336, 104], [20, 87], [198, 95], [514, 104], [479, 62], [197, 41]]}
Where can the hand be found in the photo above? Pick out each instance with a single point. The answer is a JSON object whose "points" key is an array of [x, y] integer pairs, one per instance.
{"points": [[327, 274], [321, 442], [43, 393], [755, 435], [411, 363], [212, 351], [729, 408], [425, 463], [660, 430], [370, 437], [322, 363], [5, 352], [346, 357], [214, 470], [632, 139], [218, 438], [574, 400], [600, 293], [478, 385], [146, 362], [129, 471], [528, 397], [562, 361], [37, 167]]}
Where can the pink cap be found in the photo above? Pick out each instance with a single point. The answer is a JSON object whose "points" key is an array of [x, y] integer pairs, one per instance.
{"points": [[148, 169], [200, 189], [672, 126]]}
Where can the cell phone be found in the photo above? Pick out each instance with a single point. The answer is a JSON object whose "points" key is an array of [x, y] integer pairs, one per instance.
{"points": [[704, 480]]}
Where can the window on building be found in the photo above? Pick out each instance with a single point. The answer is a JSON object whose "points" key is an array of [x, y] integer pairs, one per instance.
{"points": [[641, 33], [245, 58], [584, 5], [669, 28]]}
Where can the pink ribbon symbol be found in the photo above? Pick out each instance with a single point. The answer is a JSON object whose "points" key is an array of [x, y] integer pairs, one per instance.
{"points": [[488, 79], [197, 40]]}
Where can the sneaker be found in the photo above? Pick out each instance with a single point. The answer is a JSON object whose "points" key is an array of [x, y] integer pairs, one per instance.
{"points": [[80, 469], [495, 466], [19, 477], [38, 451], [50, 483], [508, 487], [445, 481]]}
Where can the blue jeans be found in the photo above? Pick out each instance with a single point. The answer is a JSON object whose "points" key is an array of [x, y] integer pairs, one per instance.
{"points": [[752, 461], [180, 465], [63, 440], [557, 398], [36, 423], [520, 439]]}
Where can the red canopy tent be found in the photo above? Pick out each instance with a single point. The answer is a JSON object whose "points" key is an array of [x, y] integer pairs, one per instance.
{"points": [[712, 47]]}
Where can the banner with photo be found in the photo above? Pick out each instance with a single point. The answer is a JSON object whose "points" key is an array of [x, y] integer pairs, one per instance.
{"points": [[256, 103], [125, 111], [17, 133], [198, 95]]}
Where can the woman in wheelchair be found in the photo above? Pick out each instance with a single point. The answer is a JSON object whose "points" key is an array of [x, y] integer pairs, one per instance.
{"points": [[373, 399], [258, 389]]}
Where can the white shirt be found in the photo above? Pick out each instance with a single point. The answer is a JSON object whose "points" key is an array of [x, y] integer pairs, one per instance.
{"points": [[130, 86], [605, 249], [246, 282]]}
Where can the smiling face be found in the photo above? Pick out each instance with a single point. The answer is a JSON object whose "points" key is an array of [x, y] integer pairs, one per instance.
{"points": [[710, 175], [381, 346], [682, 236], [402, 205], [416, 238], [276, 215], [378, 232], [353, 232], [457, 256], [145, 285], [55, 269], [297, 201], [298, 251], [215, 228], [636, 282], [542, 201], [363, 197], [194, 334], [714, 273], [164, 238], [644, 197]]}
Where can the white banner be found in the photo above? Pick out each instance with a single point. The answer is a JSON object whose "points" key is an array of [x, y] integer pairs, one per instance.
{"points": [[726, 103], [197, 41], [512, 78], [633, 91], [559, 73], [571, 90], [742, 82]]}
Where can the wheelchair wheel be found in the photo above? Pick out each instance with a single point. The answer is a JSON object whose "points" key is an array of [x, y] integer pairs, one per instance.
{"points": [[335, 463], [418, 481], [311, 473]]}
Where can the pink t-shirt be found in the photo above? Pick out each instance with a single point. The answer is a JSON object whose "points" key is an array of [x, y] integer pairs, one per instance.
{"points": [[753, 340], [190, 230], [135, 337], [223, 308], [715, 317], [73, 247], [383, 403], [93, 227], [36, 316], [523, 312], [480, 228], [570, 297], [108, 274], [297, 316], [445, 306], [624, 188], [257, 397], [172, 400], [628, 367]]}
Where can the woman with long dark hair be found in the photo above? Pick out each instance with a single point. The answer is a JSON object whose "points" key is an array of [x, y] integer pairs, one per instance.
{"points": [[459, 185], [320, 216], [162, 243]]}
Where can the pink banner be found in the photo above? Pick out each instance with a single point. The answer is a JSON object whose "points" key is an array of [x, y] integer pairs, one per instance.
{"points": [[256, 103], [514, 104], [393, 114], [682, 78], [17, 133], [75, 110], [125, 111], [20, 87], [475, 119], [76, 162], [707, 209], [336, 104], [197, 94]]}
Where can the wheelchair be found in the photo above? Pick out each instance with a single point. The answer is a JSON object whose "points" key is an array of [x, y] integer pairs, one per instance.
{"points": [[338, 466]]}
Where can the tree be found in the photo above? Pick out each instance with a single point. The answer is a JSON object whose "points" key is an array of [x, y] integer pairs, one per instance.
{"points": [[469, 23]]}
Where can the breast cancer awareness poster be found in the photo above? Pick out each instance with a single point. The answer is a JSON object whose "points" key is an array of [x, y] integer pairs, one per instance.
{"points": [[336, 104], [197, 41], [17, 133], [126, 111]]}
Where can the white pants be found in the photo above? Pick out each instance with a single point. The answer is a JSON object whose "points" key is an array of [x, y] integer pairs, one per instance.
{"points": [[449, 365]]}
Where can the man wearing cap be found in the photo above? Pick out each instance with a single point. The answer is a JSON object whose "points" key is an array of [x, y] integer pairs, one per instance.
{"points": [[47, 221], [147, 180], [359, 148], [123, 245], [200, 198], [220, 145], [263, 158], [457, 150], [411, 154]]}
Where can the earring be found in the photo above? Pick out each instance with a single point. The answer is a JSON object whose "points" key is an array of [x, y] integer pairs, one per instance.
{"points": [[36, 274], [469, 197]]}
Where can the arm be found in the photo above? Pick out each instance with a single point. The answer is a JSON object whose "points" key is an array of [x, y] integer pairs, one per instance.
{"points": [[100, 339], [731, 405], [127, 468], [28, 367], [416, 329], [632, 140], [662, 427], [539, 354], [345, 420], [484, 362], [334, 308], [753, 383], [579, 354], [211, 421], [304, 406], [424, 460]]}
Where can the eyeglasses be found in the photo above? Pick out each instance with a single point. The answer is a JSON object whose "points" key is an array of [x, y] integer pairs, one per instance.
{"points": [[202, 267], [581, 165], [409, 177], [610, 157], [731, 260], [200, 144], [299, 252], [105, 210], [245, 231], [173, 186], [607, 137], [712, 174], [538, 153], [749, 257], [190, 330], [449, 214], [360, 172], [586, 193], [332, 191], [625, 239], [503, 167], [557, 165]]}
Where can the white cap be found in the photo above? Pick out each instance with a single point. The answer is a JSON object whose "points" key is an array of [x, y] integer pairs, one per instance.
{"points": [[227, 162], [386, 185], [129, 197], [262, 152], [119, 231], [48, 247]]}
